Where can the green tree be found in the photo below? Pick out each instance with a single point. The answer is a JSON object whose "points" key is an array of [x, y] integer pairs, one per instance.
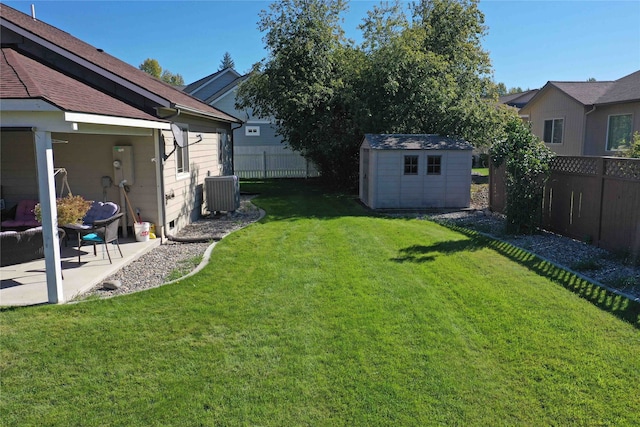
{"points": [[527, 166], [173, 79], [152, 67], [227, 62], [423, 74], [302, 83], [633, 151]]}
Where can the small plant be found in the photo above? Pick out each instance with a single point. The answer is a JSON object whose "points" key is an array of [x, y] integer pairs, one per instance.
{"points": [[71, 209]]}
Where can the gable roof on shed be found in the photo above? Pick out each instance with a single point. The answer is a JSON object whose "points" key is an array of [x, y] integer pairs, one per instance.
{"points": [[415, 142]]}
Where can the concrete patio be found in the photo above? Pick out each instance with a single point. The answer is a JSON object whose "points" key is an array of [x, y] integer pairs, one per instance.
{"points": [[25, 284]]}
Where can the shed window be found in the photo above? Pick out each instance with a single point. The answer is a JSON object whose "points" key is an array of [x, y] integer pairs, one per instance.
{"points": [[411, 165], [252, 131], [619, 131], [553, 131], [434, 165]]}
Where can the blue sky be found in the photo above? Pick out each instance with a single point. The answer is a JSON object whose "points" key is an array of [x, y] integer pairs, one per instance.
{"points": [[530, 42]]}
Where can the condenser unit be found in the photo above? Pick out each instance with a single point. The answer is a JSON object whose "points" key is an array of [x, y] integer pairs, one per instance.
{"points": [[223, 193]]}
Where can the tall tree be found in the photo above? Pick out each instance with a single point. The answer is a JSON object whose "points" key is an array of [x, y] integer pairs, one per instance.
{"points": [[227, 62], [152, 67], [423, 74]]}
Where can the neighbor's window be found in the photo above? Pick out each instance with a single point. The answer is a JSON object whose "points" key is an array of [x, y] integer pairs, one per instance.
{"points": [[434, 165], [410, 165], [252, 131], [553, 131], [182, 154], [619, 131]]}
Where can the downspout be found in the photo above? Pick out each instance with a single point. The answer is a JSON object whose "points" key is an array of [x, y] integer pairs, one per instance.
{"points": [[233, 144], [584, 129]]}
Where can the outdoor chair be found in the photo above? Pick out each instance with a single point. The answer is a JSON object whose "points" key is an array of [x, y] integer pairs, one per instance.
{"points": [[99, 225]]}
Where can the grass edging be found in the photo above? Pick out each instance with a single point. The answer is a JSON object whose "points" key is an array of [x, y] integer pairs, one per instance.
{"points": [[594, 299], [209, 250]]}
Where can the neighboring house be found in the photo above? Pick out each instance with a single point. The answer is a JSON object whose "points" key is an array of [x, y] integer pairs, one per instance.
{"points": [[586, 118], [67, 104], [518, 100], [414, 172], [258, 151]]}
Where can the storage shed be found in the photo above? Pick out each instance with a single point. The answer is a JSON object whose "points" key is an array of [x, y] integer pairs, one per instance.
{"points": [[399, 171]]}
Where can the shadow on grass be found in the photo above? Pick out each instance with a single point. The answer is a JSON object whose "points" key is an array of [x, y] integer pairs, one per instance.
{"points": [[419, 253], [618, 305]]}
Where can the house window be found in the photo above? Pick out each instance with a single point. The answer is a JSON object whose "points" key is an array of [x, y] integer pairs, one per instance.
{"points": [[553, 129], [252, 131], [619, 131], [182, 154], [410, 165], [434, 165]]}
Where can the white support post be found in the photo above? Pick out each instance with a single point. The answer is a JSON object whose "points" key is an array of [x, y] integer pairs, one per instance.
{"points": [[47, 193]]}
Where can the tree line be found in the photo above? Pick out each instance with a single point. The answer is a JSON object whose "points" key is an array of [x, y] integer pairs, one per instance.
{"points": [[419, 69]]}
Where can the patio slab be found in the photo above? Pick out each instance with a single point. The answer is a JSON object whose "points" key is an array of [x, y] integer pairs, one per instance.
{"points": [[25, 284]]}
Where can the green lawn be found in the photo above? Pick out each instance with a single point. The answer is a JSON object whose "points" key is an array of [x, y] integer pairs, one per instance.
{"points": [[481, 171], [324, 315]]}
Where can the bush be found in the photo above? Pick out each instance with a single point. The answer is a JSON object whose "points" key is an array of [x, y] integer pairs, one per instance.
{"points": [[71, 209], [527, 166]]}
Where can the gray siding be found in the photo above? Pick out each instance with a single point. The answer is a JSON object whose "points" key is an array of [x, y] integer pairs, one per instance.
{"points": [[214, 86], [390, 188]]}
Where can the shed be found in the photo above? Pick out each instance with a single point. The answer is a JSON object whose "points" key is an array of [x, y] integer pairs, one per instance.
{"points": [[401, 171]]}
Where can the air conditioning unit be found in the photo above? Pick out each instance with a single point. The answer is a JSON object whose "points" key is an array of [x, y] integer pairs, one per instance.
{"points": [[223, 193]]}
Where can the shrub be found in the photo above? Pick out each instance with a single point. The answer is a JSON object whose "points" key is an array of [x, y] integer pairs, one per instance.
{"points": [[527, 165], [71, 209]]}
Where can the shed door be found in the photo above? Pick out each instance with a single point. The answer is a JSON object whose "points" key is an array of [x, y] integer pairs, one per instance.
{"points": [[365, 176]]}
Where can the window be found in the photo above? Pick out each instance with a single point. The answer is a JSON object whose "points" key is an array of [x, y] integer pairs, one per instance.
{"points": [[410, 165], [553, 131], [434, 165], [252, 131], [619, 131], [182, 154]]}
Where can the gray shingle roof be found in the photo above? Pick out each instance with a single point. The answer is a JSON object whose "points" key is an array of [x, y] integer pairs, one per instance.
{"points": [[109, 63], [415, 142], [623, 90], [586, 93]]}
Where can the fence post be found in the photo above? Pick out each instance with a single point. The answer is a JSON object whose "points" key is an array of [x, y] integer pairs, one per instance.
{"points": [[599, 190], [264, 164]]}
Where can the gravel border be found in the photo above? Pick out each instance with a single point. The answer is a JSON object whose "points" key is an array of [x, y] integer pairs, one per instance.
{"points": [[594, 264], [155, 267]]}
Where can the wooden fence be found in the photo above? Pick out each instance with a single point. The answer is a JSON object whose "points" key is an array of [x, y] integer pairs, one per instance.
{"points": [[593, 199], [270, 165]]}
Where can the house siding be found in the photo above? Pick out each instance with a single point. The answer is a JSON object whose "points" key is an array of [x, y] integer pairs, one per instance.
{"points": [[554, 104], [597, 125]]}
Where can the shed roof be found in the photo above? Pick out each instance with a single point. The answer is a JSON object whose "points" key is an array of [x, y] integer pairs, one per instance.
{"points": [[415, 142]]}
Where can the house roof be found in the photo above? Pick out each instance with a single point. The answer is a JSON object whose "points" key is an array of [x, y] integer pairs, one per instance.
{"points": [[226, 89], [519, 99], [415, 142], [24, 78], [586, 93], [52, 37], [625, 89], [191, 87]]}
